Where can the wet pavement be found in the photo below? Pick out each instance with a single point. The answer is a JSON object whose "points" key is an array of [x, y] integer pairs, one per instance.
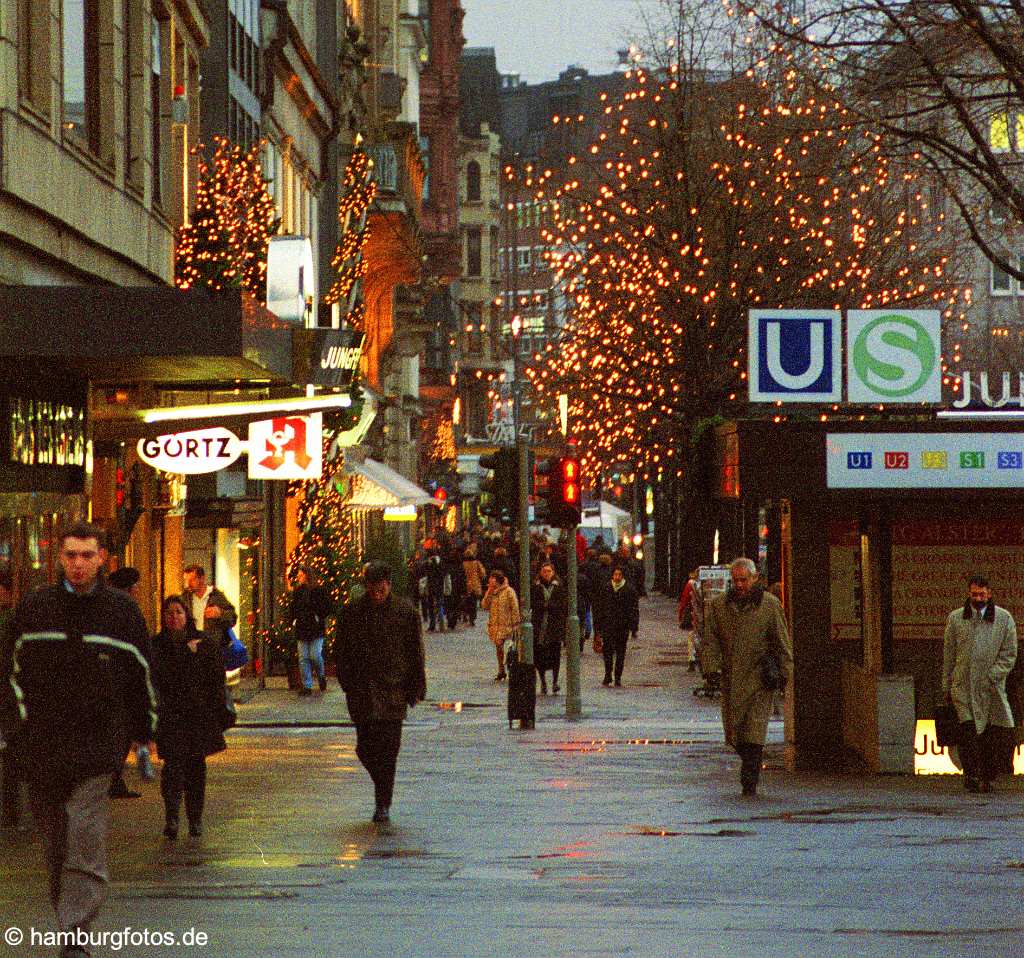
{"points": [[622, 834]]}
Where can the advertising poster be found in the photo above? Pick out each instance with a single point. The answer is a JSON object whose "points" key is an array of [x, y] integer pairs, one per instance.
{"points": [[932, 561]]}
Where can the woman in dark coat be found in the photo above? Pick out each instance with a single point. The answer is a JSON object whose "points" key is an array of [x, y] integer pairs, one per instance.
{"points": [[188, 674], [618, 616], [549, 610]]}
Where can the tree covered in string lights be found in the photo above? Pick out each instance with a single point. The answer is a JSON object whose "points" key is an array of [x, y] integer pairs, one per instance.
{"points": [[224, 246], [357, 193], [713, 187], [326, 545]]}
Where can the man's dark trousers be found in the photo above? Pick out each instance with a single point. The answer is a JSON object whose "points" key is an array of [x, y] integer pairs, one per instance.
{"points": [[979, 754], [74, 822], [377, 745]]}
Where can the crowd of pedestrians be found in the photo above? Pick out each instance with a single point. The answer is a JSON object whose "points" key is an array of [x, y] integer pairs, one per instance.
{"points": [[453, 578]]}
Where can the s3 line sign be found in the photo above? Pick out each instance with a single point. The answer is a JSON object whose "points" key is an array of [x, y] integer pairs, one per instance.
{"points": [[795, 355]]}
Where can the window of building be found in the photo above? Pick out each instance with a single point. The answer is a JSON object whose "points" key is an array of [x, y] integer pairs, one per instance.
{"points": [[134, 78], [80, 76], [473, 181], [156, 110], [1001, 283], [474, 251], [34, 53], [1006, 131], [523, 257], [425, 157]]}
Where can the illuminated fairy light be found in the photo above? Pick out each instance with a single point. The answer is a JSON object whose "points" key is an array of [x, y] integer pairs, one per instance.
{"points": [[225, 244], [661, 249]]}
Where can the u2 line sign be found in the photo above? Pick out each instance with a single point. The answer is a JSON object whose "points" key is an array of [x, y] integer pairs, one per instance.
{"points": [[892, 356], [286, 447]]}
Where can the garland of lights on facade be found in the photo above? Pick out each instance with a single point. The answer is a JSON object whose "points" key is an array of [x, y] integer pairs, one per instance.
{"points": [[225, 244], [666, 231], [358, 191]]}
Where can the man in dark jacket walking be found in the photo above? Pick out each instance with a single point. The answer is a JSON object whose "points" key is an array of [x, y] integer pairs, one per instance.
{"points": [[381, 667], [77, 678], [310, 606], [550, 610], [618, 617]]}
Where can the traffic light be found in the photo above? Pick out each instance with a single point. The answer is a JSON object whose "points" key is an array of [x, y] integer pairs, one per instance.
{"points": [[502, 486], [557, 482]]}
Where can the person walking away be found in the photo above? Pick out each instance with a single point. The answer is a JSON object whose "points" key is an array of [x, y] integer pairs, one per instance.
{"points": [[549, 611], [979, 650], [455, 586], [686, 619], [310, 606], [501, 604], [618, 618], [742, 626], [11, 780], [475, 573], [188, 673], [126, 580], [77, 680], [211, 610], [382, 670], [584, 607], [434, 570]]}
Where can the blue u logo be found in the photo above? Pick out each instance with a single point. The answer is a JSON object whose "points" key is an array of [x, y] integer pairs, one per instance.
{"points": [[796, 356]]}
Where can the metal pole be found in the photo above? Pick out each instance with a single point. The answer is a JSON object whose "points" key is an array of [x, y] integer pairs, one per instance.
{"points": [[573, 701], [526, 629]]}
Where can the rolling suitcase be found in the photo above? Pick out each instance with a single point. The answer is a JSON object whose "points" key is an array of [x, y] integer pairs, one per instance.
{"points": [[522, 689]]}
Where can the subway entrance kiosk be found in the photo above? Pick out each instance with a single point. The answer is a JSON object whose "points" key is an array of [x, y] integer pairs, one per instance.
{"points": [[874, 529]]}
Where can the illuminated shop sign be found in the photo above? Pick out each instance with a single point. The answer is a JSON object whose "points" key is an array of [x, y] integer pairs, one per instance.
{"points": [[46, 433], [924, 460], [191, 453], [327, 357], [930, 758], [287, 447]]}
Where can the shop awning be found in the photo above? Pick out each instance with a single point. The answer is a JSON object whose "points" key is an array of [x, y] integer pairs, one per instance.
{"points": [[376, 486]]}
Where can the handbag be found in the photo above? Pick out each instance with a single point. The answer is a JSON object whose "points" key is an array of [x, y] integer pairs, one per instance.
{"points": [[235, 653], [598, 644], [772, 677], [947, 724]]}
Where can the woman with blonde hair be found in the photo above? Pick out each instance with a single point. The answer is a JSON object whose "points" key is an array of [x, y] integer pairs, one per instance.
{"points": [[502, 605]]}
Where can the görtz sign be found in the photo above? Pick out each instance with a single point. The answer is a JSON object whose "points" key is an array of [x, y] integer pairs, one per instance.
{"points": [[191, 453]]}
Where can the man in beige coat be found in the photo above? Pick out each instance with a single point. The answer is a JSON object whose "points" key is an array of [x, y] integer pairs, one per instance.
{"points": [[979, 649], [741, 626]]}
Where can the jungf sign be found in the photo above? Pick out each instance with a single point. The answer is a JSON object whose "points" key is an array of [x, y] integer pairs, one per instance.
{"points": [[198, 451], [892, 356]]}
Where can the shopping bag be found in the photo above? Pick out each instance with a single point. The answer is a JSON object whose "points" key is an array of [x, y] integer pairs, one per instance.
{"points": [[947, 725], [235, 653]]}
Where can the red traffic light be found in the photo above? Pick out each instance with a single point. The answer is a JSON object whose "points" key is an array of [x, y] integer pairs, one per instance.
{"points": [[441, 495]]}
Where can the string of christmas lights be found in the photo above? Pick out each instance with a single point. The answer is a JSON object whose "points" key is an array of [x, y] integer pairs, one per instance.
{"points": [[225, 244], [702, 197]]}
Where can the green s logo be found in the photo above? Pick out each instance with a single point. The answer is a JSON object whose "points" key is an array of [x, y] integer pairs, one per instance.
{"points": [[894, 356]]}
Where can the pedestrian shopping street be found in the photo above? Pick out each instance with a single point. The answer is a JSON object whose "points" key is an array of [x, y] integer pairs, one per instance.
{"points": [[621, 834]]}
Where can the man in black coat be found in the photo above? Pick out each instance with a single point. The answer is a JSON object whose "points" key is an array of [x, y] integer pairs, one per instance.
{"points": [[618, 617], [381, 667], [76, 679]]}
